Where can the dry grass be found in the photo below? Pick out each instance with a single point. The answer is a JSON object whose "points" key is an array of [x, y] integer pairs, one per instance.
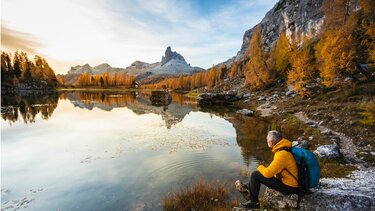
{"points": [[368, 113], [200, 196], [330, 168]]}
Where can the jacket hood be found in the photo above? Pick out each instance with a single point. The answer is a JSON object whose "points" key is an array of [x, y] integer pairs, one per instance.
{"points": [[282, 143]]}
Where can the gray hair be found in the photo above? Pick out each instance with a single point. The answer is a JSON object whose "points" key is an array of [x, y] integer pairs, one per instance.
{"points": [[274, 135]]}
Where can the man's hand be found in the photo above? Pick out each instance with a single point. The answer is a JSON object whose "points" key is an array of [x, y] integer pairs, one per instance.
{"points": [[263, 163]]}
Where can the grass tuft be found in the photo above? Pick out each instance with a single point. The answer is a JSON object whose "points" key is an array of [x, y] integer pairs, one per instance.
{"points": [[200, 196], [368, 113]]}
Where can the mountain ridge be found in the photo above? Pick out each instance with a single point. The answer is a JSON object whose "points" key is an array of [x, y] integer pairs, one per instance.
{"points": [[171, 64]]}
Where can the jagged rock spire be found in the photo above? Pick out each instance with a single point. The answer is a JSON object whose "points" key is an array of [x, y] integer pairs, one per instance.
{"points": [[169, 55]]}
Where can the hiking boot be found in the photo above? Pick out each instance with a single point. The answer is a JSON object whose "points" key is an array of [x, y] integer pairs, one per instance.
{"points": [[241, 187], [250, 204]]}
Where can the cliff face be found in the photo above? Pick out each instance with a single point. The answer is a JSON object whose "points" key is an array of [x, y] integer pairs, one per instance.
{"points": [[300, 17], [294, 17]]}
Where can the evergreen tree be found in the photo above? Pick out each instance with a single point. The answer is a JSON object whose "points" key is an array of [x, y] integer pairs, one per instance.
{"points": [[17, 64]]}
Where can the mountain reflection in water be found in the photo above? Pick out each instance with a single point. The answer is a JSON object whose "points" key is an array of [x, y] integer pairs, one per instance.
{"points": [[26, 107], [117, 145]]}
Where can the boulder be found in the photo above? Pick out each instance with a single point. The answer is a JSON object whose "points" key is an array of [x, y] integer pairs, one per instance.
{"points": [[328, 151], [295, 143], [212, 99], [326, 132], [261, 98], [289, 91], [304, 144], [320, 200], [301, 144], [245, 112], [247, 95]]}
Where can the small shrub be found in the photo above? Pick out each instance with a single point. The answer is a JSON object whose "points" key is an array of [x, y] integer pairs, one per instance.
{"points": [[368, 113], [200, 196]]}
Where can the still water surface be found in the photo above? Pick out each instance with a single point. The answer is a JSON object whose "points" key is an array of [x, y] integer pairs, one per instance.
{"points": [[116, 151]]}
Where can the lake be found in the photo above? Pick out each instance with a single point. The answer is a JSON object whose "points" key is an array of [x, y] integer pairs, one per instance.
{"points": [[91, 150]]}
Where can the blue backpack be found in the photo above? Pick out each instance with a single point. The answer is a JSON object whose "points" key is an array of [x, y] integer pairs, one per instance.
{"points": [[308, 170]]}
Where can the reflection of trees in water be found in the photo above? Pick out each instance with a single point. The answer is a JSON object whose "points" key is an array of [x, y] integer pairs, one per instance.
{"points": [[182, 99], [103, 100], [28, 106], [251, 134], [251, 137]]}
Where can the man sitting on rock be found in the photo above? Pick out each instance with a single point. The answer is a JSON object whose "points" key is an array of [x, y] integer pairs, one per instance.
{"points": [[277, 175]]}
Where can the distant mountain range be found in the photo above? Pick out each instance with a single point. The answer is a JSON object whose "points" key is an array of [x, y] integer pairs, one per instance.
{"points": [[171, 64]]}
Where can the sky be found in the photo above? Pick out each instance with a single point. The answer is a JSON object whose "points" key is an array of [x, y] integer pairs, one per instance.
{"points": [[118, 32]]}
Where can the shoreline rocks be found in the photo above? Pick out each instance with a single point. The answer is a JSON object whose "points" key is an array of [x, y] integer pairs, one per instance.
{"points": [[245, 112], [357, 192], [215, 99]]}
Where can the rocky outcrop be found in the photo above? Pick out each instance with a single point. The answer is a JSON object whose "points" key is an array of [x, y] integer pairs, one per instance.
{"points": [[328, 151], [80, 69], [245, 112], [212, 99], [169, 55], [294, 17], [139, 65], [357, 192], [173, 63]]}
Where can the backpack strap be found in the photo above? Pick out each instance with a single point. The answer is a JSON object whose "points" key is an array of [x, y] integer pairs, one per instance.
{"points": [[288, 149], [291, 174]]}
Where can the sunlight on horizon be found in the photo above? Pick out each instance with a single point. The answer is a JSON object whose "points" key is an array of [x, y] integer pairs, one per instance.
{"points": [[70, 33]]}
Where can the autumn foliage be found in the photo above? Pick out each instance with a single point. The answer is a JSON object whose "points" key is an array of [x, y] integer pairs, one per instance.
{"points": [[209, 79], [346, 42], [282, 55], [258, 72], [344, 46], [303, 70], [106, 80], [18, 68]]}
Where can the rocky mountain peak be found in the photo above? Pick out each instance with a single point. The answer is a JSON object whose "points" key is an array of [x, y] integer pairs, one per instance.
{"points": [[80, 69], [139, 64], [104, 65], [102, 68], [169, 55]]}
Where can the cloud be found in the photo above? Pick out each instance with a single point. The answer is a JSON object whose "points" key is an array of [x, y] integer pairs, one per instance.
{"points": [[120, 32], [14, 40], [203, 38]]}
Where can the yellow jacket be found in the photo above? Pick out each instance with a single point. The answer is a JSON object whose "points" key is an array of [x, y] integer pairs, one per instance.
{"points": [[282, 159]]}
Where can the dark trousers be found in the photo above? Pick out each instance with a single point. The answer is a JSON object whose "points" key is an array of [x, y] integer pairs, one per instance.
{"points": [[257, 178]]}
